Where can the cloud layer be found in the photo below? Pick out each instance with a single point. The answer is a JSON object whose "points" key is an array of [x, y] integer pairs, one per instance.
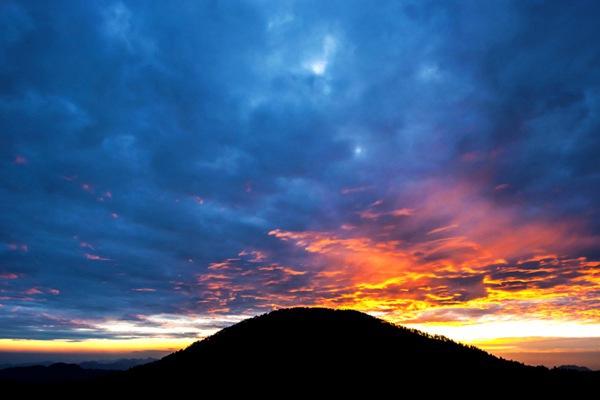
{"points": [[433, 162]]}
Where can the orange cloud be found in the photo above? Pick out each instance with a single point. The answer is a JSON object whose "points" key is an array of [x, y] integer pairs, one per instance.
{"points": [[459, 259]]}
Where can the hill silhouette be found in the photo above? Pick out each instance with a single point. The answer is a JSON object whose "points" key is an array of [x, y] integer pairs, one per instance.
{"points": [[322, 348], [342, 351]]}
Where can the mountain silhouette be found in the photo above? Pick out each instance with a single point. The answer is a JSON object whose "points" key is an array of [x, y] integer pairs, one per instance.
{"points": [[121, 364], [310, 350], [54, 374], [321, 348]]}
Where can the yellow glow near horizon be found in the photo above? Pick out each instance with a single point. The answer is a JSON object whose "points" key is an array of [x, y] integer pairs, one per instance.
{"points": [[511, 329], [94, 345], [493, 335]]}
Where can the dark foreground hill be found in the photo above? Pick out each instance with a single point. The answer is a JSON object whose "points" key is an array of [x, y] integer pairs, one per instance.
{"points": [[342, 350], [312, 349]]}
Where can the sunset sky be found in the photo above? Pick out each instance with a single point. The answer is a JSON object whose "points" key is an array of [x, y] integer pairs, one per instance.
{"points": [[170, 168]]}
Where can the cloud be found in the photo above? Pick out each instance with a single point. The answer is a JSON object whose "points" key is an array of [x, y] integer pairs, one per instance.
{"points": [[428, 159]]}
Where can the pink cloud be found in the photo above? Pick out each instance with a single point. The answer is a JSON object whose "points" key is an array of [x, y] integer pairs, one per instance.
{"points": [[86, 245], [199, 200], [253, 255], [400, 212], [20, 160], [442, 229], [95, 257], [350, 190], [22, 247]]}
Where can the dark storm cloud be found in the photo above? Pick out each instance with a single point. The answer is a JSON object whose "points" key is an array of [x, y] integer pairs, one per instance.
{"points": [[139, 143]]}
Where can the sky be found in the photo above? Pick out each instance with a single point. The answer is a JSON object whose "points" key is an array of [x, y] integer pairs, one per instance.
{"points": [[170, 168]]}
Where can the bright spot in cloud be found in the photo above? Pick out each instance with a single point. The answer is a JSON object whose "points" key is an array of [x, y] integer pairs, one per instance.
{"points": [[318, 65]]}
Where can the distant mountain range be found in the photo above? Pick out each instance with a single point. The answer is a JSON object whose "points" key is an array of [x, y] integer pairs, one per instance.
{"points": [[63, 373], [120, 364], [311, 350], [116, 365]]}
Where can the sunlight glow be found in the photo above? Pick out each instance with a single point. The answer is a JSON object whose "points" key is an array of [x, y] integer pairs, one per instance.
{"points": [[512, 329], [93, 345]]}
